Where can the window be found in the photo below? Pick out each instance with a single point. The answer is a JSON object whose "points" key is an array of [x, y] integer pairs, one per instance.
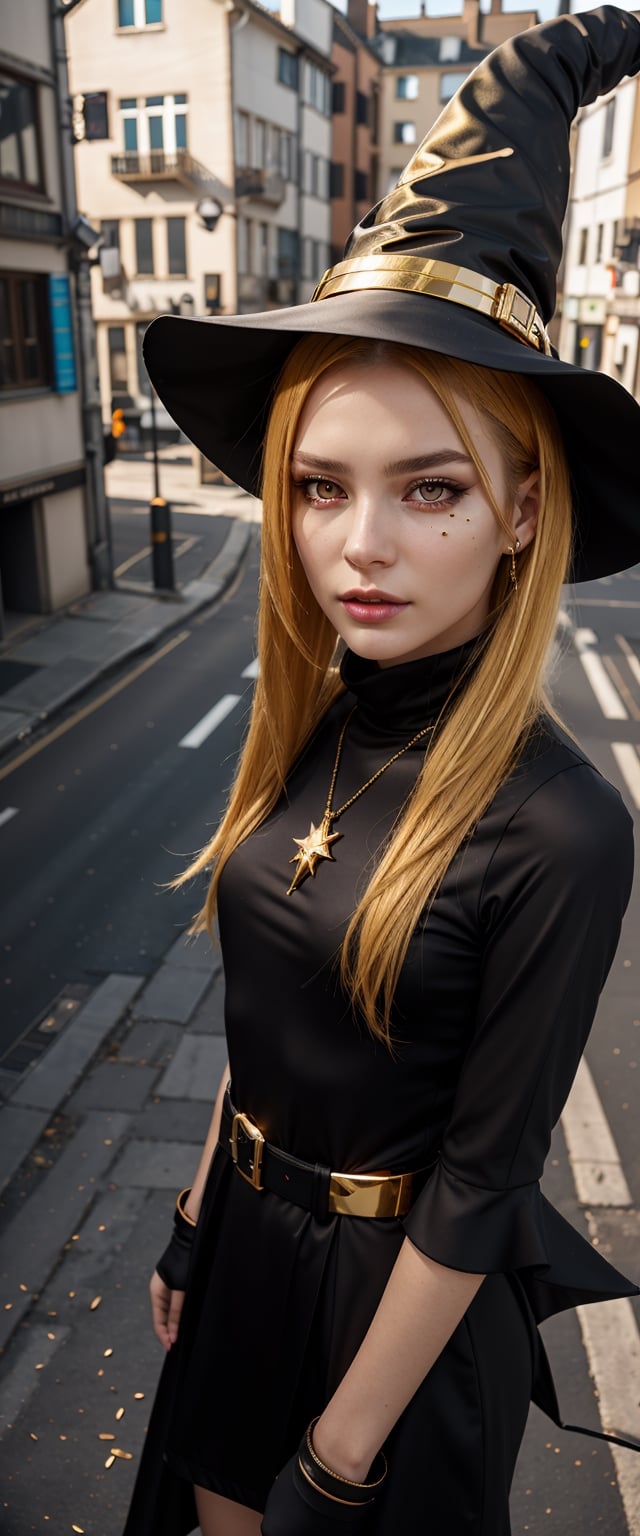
{"points": [[338, 93], [599, 242], [258, 156], [362, 108], [307, 258], [307, 170], [242, 139], [317, 89], [406, 87], [118, 360], [288, 68], [176, 245], [451, 82], [287, 253], [110, 231], [360, 186], [262, 250], [19, 146], [139, 13], [96, 117], [24, 332], [144, 246], [273, 147], [608, 127], [336, 179], [154, 123], [286, 155], [243, 265], [450, 49], [583, 247], [404, 133]]}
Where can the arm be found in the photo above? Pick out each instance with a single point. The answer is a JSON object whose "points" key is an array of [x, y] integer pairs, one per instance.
{"points": [[422, 1304], [166, 1305], [548, 917], [197, 1188]]}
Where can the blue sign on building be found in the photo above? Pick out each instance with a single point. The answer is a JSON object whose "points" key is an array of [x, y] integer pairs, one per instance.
{"points": [[64, 359]]}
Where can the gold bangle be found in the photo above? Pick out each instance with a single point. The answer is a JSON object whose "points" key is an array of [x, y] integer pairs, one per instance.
{"points": [[349, 1481], [180, 1207]]}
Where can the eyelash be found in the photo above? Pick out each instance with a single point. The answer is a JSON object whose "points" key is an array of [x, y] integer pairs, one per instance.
{"points": [[456, 492]]}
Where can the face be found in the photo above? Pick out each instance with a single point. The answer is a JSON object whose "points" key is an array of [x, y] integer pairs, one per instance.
{"points": [[396, 537]]}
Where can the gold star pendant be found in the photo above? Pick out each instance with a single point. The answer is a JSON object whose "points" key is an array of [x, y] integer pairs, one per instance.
{"points": [[311, 849]]}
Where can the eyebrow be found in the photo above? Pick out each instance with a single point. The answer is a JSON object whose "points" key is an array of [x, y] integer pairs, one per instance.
{"points": [[399, 467]]}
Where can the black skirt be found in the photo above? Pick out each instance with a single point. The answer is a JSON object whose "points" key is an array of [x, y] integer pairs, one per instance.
{"points": [[218, 1421]]}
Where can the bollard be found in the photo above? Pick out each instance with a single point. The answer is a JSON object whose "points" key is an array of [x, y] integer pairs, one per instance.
{"points": [[161, 547]]}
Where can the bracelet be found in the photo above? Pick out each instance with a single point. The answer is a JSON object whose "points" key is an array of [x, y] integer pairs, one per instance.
{"points": [[333, 1484], [184, 1193]]}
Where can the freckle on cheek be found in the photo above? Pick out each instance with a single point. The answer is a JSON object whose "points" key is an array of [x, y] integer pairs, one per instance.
{"points": [[444, 535]]}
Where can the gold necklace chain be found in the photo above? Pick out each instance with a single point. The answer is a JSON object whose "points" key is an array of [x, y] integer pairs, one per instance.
{"points": [[317, 844]]}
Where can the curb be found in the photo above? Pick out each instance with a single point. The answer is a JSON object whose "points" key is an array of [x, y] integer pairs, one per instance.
{"points": [[60, 1203], [173, 610]]}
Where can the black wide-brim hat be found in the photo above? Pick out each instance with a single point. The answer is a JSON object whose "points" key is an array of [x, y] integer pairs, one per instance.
{"points": [[461, 259]]}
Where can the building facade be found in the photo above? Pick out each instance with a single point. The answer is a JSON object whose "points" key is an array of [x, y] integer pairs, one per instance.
{"points": [[426, 59], [44, 533], [281, 84], [154, 169], [356, 116], [601, 286]]}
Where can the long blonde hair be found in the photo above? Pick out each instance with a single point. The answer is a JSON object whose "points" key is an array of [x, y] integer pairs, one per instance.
{"points": [[482, 735]]}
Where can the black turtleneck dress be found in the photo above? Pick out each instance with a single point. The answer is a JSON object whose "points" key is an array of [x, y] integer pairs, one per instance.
{"points": [[492, 1011]]}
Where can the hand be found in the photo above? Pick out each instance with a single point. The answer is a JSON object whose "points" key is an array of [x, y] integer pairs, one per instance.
{"points": [[294, 1508], [166, 1308]]}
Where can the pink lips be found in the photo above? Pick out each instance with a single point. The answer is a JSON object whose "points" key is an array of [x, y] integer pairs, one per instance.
{"points": [[372, 607]]}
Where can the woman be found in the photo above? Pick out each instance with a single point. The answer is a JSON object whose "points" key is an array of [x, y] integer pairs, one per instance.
{"points": [[365, 1252]]}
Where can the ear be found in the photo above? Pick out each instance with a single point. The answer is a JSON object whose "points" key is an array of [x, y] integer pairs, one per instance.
{"points": [[526, 508]]}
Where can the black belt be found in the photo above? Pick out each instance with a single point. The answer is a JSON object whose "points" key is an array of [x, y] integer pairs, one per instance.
{"points": [[312, 1185]]}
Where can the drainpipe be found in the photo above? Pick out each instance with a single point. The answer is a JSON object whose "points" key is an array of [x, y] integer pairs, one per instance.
{"points": [[98, 522]]}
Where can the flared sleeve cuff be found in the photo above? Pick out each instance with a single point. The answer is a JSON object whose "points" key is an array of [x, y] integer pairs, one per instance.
{"points": [[488, 1231]]}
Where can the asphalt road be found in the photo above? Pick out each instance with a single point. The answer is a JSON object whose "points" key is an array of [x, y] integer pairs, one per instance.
{"points": [[195, 539], [109, 811]]}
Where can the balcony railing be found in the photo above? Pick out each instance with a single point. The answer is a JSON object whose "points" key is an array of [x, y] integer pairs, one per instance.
{"points": [[260, 185], [158, 165]]}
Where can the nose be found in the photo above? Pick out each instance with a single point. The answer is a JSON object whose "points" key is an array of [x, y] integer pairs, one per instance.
{"points": [[369, 538]]}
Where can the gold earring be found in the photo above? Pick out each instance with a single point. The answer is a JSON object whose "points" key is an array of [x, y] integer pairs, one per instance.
{"points": [[513, 572]]}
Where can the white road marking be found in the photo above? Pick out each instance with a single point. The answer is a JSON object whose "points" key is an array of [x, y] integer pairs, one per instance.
{"points": [[628, 762], [609, 700], [11, 810], [208, 723], [612, 1344], [593, 666], [632, 660], [252, 669], [596, 1166]]}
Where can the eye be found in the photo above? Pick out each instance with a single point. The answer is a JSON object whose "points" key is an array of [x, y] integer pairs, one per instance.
{"points": [[320, 492], [436, 493]]}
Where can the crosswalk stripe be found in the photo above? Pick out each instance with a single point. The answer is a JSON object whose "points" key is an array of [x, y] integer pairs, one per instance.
{"points": [[11, 810], [252, 669], [629, 764], [208, 723], [593, 1155]]}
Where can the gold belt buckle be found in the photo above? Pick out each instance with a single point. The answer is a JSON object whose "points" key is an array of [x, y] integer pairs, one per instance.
{"points": [[245, 1135], [370, 1194]]}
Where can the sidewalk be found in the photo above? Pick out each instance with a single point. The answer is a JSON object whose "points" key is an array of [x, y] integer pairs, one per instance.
{"points": [[97, 1140], [70, 651]]}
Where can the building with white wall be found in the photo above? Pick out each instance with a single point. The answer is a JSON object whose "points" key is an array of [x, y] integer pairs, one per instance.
{"points": [[282, 117], [44, 536], [153, 98], [601, 286]]}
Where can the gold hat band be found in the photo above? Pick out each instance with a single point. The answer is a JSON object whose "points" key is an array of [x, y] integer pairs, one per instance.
{"points": [[440, 280]]}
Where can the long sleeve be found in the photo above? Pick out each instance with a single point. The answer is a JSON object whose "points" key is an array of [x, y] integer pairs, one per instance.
{"points": [[549, 915]]}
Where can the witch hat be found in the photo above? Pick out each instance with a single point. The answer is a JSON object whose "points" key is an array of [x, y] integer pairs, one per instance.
{"points": [[460, 258]]}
